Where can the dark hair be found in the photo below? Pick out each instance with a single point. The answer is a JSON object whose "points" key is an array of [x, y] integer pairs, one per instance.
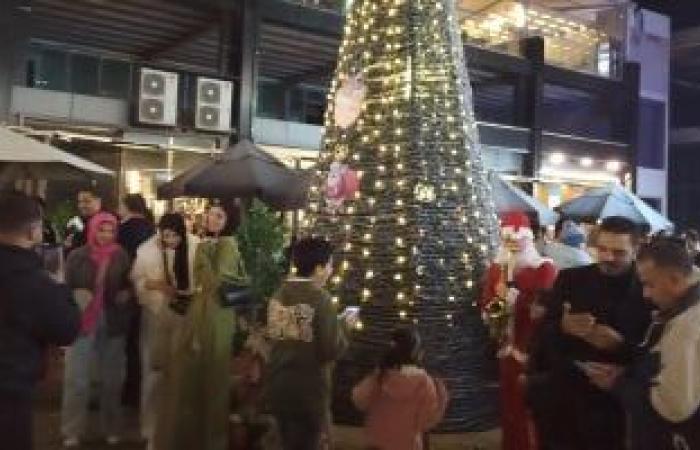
{"points": [[621, 225], [176, 223], [310, 253], [535, 224], [136, 204], [559, 226], [405, 349], [668, 253], [91, 191], [233, 216], [40, 201], [18, 211]]}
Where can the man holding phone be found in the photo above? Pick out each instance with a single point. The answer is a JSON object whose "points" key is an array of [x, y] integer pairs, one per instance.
{"points": [[596, 313], [661, 389]]}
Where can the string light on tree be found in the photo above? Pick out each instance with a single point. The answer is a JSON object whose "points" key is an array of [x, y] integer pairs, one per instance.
{"points": [[420, 226]]}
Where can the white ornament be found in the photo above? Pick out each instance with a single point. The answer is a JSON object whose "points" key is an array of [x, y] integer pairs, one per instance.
{"points": [[348, 101], [424, 193]]}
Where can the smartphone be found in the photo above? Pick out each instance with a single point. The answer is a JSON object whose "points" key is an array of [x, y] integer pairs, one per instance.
{"points": [[582, 365]]}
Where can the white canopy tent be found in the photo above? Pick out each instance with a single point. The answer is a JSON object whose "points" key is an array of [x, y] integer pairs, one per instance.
{"points": [[20, 149]]}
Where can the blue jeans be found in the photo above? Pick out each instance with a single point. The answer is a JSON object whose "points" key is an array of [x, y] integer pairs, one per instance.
{"points": [[107, 355]]}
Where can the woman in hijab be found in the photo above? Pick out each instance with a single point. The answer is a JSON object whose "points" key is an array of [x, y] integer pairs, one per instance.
{"points": [[98, 273], [201, 372], [164, 281]]}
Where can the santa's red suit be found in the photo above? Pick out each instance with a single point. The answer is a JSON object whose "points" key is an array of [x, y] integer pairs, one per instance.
{"points": [[518, 277]]}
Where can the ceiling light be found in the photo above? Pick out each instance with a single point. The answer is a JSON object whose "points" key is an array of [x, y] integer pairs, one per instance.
{"points": [[557, 158], [518, 14], [613, 166], [586, 162]]}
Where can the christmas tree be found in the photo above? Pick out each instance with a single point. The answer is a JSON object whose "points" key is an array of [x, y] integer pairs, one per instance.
{"points": [[401, 189]]}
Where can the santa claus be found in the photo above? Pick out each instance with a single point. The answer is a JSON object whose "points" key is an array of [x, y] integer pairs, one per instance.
{"points": [[514, 283]]}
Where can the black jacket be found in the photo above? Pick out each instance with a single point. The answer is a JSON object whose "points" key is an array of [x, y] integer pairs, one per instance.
{"points": [[35, 312], [559, 393]]}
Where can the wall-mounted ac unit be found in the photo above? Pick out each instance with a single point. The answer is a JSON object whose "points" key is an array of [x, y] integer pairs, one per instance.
{"points": [[158, 97], [213, 110]]}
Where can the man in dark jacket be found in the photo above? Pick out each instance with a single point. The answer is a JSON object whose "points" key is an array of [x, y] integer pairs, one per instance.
{"points": [[595, 313], [307, 337], [89, 204], [661, 389], [35, 312]]}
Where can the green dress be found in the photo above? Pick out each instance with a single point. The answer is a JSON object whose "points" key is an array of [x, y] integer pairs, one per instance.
{"points": [[198, 394]]}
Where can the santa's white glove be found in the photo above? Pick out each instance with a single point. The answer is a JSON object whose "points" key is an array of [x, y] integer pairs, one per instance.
{"points": [[512, 296]]}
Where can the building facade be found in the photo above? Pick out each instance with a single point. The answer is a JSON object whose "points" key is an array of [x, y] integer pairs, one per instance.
{"points": [[563, 95]]}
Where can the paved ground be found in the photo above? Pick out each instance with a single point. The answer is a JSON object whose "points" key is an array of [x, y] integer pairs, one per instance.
{"points": [[47, 426], [47, 417]]}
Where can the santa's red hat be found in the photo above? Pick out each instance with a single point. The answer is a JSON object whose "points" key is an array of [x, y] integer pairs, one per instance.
{"points": [[516, 225]]}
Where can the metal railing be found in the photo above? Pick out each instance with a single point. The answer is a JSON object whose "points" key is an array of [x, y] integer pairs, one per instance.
{"points": [[586, 43]]}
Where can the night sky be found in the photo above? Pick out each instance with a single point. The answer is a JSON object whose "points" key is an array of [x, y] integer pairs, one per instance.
{"points": [[684, 13]]}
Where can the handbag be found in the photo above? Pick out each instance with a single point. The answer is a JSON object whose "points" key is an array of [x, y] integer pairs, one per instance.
{"points": [[233, 295], [181, 302]]}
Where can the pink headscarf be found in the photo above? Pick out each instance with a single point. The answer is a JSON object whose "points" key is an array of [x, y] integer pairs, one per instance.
{"points": [[101, 255]]}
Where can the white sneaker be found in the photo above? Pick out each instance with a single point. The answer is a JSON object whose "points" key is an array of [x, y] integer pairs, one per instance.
{"points": [[71, 442], [113, 440]]}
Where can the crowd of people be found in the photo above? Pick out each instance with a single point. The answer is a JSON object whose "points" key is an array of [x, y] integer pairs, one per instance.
{"points": [[596, 334], [147, 308], [599, 349]]}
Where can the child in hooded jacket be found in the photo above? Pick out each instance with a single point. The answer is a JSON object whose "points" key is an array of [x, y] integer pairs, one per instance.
{"points": [[400, 400]]}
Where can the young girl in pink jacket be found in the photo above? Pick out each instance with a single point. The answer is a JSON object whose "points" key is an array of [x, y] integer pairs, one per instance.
{"points": [[400, 399]]}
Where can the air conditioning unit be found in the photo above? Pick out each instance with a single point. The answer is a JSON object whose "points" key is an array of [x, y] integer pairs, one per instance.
{"points": [[158, 97], [213, 111]]}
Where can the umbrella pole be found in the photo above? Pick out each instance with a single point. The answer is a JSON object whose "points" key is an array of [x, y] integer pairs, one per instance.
{"points": [[245, 205], [295, 222]]}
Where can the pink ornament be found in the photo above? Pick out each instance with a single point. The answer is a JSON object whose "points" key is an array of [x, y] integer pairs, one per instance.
{"points": [[341, 185]]}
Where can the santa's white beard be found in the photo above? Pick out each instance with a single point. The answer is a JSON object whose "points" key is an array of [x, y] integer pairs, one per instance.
{"points": [[529, 257]]}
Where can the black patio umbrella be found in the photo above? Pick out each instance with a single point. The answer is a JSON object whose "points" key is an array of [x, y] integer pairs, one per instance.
{"points": [[243, 171], [176, 187]]}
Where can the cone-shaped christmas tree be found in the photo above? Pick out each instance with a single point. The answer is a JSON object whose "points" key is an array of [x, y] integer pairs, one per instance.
{"points": [[401, 190]]}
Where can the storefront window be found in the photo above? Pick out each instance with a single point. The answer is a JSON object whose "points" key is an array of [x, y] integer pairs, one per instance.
{"points": [[62, 69], [315, 106], [271, 102], [84, 74], [494, 100], [47, 69], [576, 112], [115, 79], [296, 105]]}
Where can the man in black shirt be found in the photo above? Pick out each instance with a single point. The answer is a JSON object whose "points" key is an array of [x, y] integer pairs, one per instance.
{"points": [[35, 312], [89, 204], [596, 313]]}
